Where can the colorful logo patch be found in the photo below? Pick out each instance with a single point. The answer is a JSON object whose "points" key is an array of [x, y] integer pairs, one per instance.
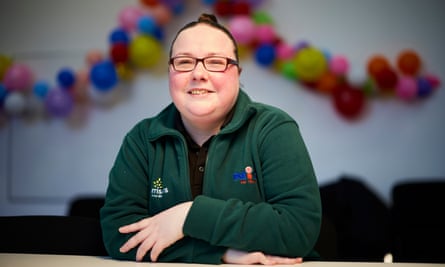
{"points": [[158, 190], [246, 177]]}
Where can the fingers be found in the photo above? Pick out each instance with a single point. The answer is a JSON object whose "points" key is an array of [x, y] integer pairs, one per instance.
{"points": [[134, 227]]}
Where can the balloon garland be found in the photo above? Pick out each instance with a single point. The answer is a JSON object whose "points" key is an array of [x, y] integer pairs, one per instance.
{"points": [[136, 43]]}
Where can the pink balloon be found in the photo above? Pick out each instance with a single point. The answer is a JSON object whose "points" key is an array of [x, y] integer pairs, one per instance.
{"points": [[18, 77], [129, 17], [339, 65], [242, 29], [406, 88], [285, 51], [265, 33]]}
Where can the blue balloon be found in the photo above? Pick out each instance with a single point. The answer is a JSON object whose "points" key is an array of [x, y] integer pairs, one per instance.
{"points": [[3, 92], [265, 54], [59, 102], [41, 89], [103, 75], [147, 25], [119, 35], [66, 78], [424, 87]]}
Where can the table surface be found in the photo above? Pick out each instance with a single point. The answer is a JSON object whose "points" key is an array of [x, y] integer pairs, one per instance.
{"points": [[40, 260]]}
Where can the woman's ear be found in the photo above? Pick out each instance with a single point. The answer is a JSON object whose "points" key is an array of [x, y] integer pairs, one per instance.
{"points": [[239, 70]]}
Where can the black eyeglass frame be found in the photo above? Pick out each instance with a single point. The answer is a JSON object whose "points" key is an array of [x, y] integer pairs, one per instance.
{"points": [[229, 61]]}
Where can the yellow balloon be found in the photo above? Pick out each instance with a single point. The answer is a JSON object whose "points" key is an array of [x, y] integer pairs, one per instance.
{"points": [[5, 63], [145, 51], [310, 64]]}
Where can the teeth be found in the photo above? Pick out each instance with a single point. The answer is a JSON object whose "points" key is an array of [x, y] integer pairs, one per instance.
{"points": [[198, 91]]}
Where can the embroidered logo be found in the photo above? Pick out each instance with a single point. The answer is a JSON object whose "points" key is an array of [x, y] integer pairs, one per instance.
{"points": [[246, 177], [158, 190]]}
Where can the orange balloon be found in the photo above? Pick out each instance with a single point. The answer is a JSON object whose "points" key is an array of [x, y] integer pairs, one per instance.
{"points": [[377, 64], [327, 82], [409, 63]]}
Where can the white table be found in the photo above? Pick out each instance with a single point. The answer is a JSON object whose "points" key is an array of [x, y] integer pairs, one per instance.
{"points": [[40, 260]]}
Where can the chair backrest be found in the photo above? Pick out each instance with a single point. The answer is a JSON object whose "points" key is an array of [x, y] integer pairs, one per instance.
{"points": [[418, 221], [86, 206], [51, 235], [360, 220]]}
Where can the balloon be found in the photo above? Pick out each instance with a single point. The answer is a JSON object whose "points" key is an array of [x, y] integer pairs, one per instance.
{"points": [[261, 17], [242, 28], [424, 87], [94, 56], [265, 54], [406, 88], [284, 51], [434, 80], [149, 3], [5, 63], [222, 8], [288, 70], [386, 79], [103, 75], [409, 63], [327, 82], [119, 35], [80, 89], [265, 33], [59, 102], [145, 51], [3, 93], [119, 52], [18, 77], [128, 18], [162, 14], [41, 89], [339, 65], [349, 102], [147, 25], [240, 8], [15, 103], [376, 64], [310, 64], [66, 78]]}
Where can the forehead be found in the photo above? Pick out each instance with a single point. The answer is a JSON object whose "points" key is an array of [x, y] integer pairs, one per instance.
{"points": [[203, 39]]}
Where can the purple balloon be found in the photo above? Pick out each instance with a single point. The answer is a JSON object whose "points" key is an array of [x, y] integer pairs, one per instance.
{"points": [[59, 103]]}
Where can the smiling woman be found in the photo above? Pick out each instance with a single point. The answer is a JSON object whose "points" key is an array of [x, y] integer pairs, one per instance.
{"points": [[214, 154]]}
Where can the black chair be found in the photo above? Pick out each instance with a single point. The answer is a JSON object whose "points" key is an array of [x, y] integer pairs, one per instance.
{"points": [[86, 206], [360, 222], [418, 221], [51, 235]]}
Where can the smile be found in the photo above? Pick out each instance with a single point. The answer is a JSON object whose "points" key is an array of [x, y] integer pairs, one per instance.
{"points": [[199, 92]]}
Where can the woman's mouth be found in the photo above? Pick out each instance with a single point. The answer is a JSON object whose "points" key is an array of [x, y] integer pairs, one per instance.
{"points": [[198, 91]]}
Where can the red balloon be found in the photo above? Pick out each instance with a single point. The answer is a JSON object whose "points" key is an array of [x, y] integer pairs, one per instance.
{"points": [[119, 53], [386, 79], [240, 8], [222, 8], [349, 102]]}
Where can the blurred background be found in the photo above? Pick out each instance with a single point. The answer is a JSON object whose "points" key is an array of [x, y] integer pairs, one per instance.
{"points": [[48, 160]]}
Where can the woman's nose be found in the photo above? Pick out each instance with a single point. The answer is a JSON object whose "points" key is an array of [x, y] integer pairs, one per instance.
{"points": [[200, 71]]}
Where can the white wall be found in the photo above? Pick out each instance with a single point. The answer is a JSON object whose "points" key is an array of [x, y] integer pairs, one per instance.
{"points": [[46, 162]]}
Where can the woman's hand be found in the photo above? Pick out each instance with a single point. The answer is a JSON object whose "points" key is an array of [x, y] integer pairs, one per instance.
{"points": [[157, 232], [240, 257]]}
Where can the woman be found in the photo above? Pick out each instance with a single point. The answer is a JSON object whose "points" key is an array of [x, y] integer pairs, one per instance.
{"points": [[215, 177]]}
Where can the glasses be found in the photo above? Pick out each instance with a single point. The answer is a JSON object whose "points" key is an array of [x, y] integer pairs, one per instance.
{"points": [[212, 63]]}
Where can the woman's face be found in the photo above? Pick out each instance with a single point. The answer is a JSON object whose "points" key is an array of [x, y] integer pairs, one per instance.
{"points": [[202, 96]]}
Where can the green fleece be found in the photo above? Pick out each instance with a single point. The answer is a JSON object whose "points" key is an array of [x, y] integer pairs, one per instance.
{"points": [[260, 192]]}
